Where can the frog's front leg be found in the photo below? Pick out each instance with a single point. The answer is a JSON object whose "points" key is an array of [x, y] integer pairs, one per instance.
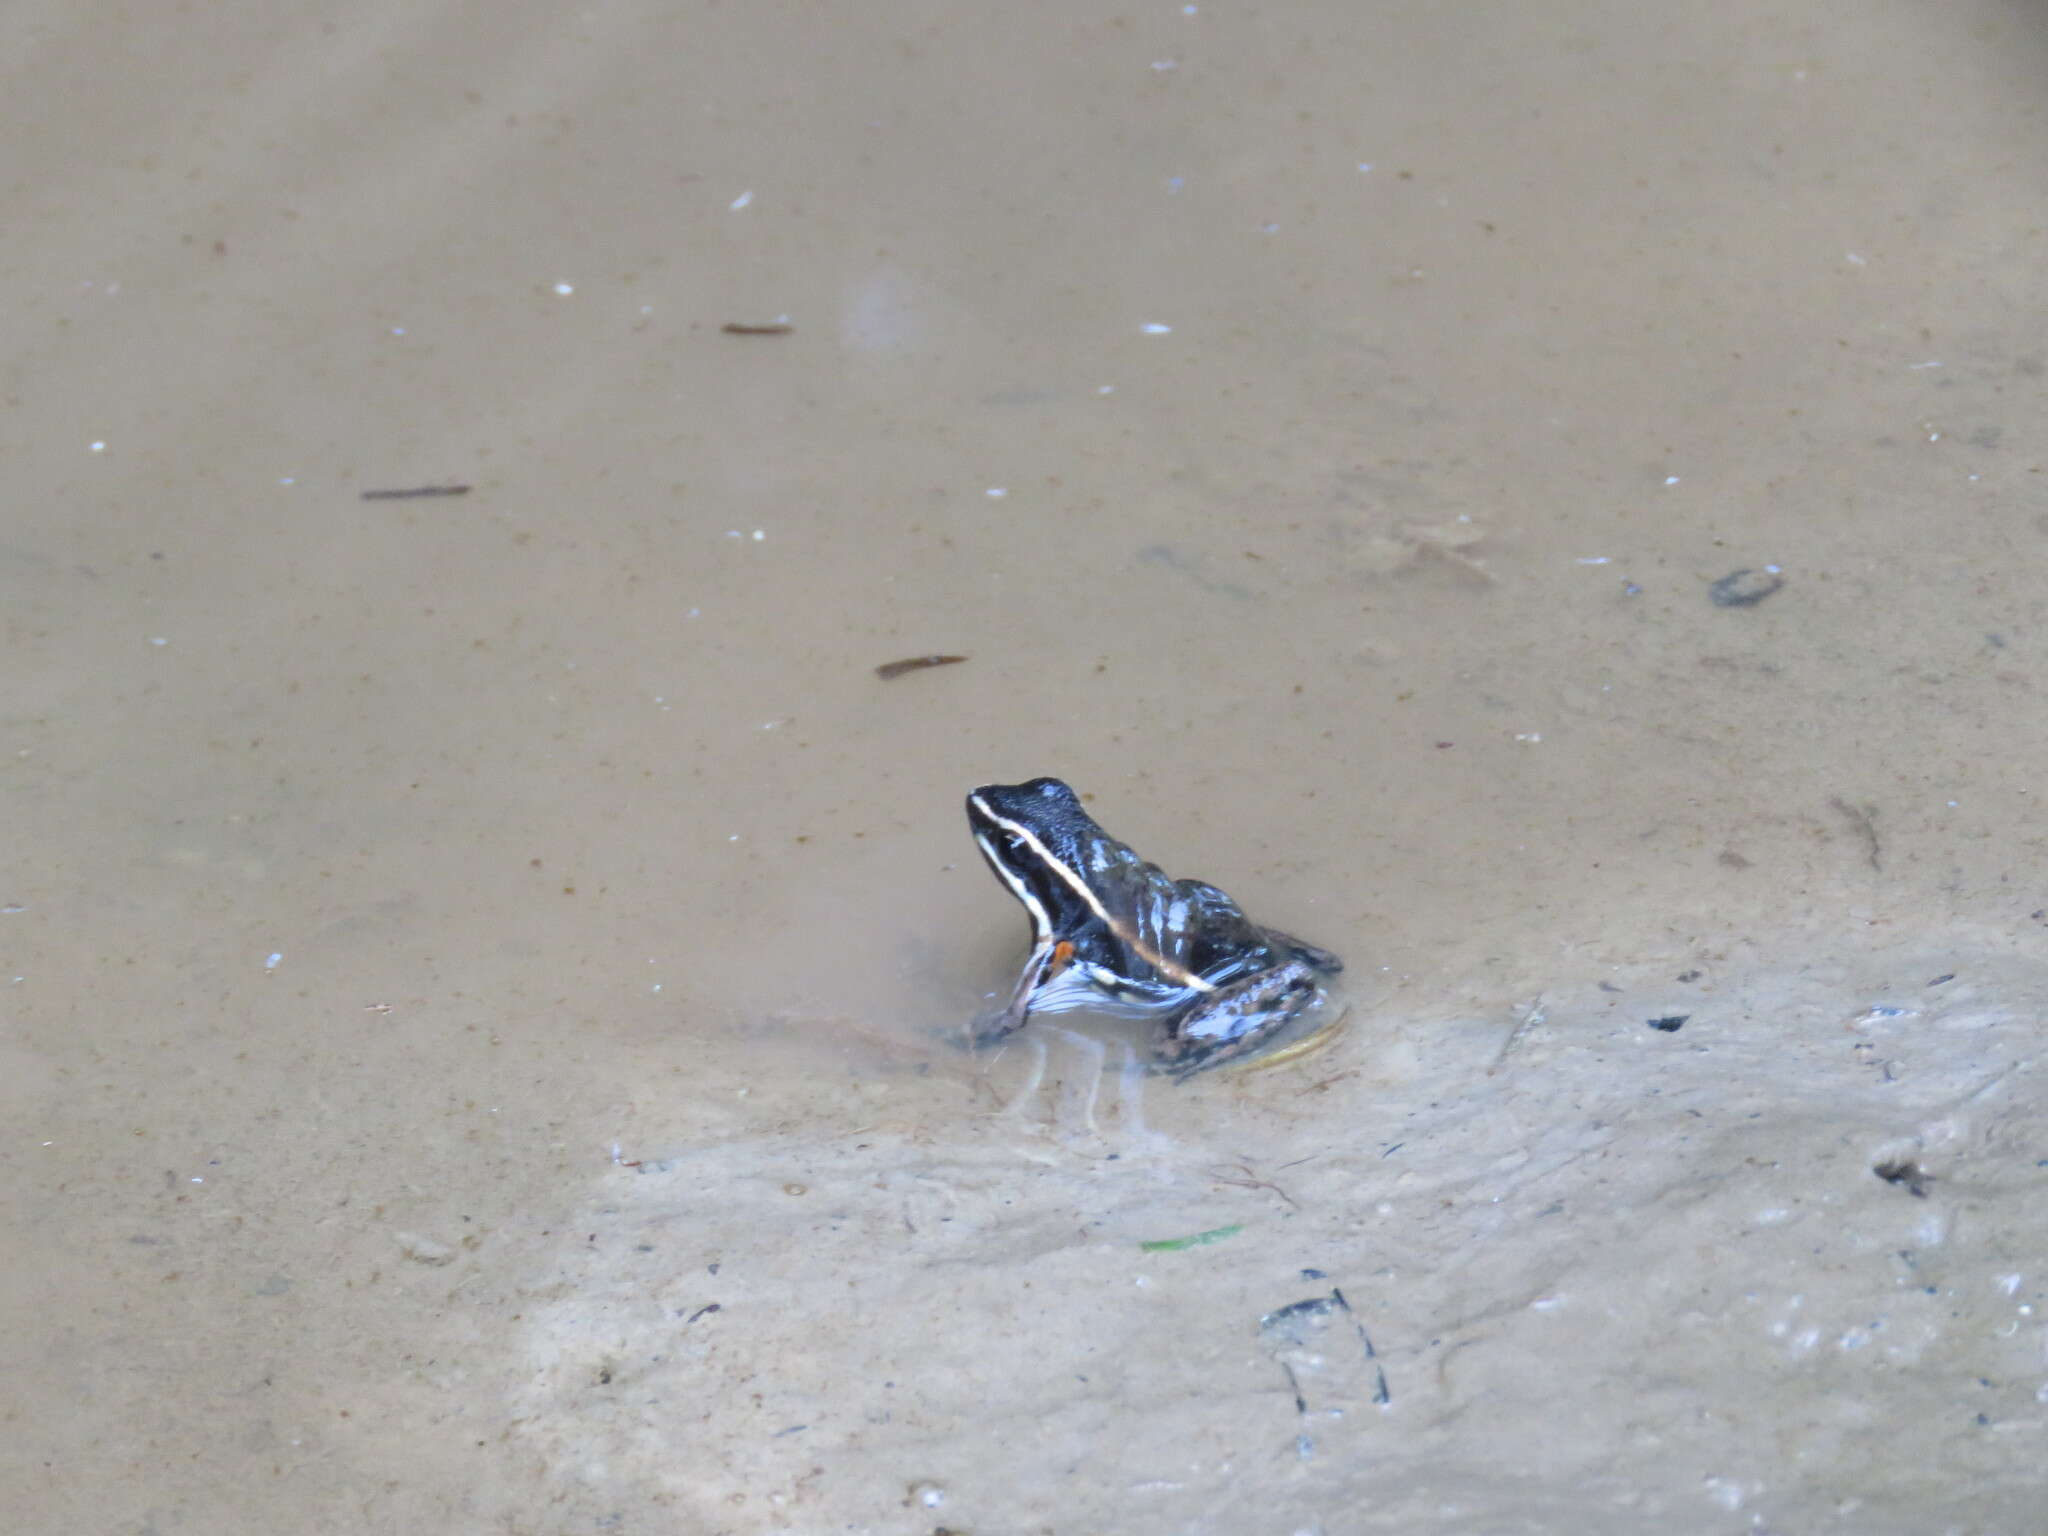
{"points": [[1048, 959], [1238, 1020]]}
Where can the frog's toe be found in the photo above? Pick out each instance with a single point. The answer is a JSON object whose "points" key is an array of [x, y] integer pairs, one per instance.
{"points": [[991, 1025]]}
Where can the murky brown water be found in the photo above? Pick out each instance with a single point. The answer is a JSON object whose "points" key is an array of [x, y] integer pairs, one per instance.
{"points": [[473, 962]]}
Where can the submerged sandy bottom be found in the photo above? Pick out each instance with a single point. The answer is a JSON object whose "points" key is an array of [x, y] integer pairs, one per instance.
{"points": [[1573, 1272], [1544, 501]]}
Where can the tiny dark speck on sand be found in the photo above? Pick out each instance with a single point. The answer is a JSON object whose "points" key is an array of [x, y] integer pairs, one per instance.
{"points": [[1670, 1023], [1906, 1174], [1745, 588]]}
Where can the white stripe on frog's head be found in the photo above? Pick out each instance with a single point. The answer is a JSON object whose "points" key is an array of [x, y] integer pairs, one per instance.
{"points": [[1027, 846]]}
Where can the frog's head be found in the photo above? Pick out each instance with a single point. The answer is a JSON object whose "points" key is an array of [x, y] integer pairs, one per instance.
{"points": [[1041, 845]]}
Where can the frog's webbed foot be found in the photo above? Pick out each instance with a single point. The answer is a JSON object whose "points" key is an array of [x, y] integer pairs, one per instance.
{"points": [[993, 1024]]}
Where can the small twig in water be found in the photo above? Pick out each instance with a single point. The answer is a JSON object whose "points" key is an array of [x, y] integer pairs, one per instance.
{"points": [[1864, 819], [1515, 1036], [415, 492], [1329, 1082], [1251, 1180], [889, 671]]}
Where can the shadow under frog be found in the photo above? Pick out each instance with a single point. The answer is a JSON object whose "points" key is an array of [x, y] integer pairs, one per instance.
{"points": [[1113, 934]]}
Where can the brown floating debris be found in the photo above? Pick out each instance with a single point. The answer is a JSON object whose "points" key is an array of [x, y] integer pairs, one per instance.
{"points": [[888, 671], [741, 328], [414, 492]]}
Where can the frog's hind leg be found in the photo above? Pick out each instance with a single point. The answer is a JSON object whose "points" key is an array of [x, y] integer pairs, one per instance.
{"points": [[1321, 959], [1274, 1013]]}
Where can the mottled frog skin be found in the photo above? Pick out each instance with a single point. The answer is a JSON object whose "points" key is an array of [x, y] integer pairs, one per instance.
{"points": [[1114, 934]]}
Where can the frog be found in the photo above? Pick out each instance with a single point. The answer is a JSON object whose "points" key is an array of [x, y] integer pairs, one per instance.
{"points": [[1113, 934]]}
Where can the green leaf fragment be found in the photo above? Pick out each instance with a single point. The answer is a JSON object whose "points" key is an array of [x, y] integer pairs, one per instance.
{"points": [[1197, 1240]]}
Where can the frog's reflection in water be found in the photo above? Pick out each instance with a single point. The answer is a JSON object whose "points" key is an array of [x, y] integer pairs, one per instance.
{"points": [[1077, 1089], [1091, 1080]]}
